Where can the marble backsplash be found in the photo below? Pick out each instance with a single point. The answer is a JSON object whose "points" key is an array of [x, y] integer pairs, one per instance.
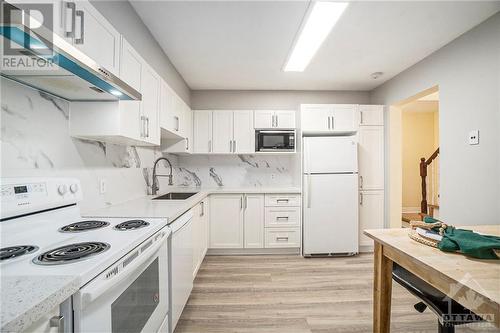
{"points": [[35, 141]]}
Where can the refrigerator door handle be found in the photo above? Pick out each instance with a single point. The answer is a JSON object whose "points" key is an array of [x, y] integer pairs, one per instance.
{"points": [[309, 191]]}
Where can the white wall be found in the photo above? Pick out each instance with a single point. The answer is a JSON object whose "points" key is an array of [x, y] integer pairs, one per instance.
{"points": [[468, 74], [124, 18], [275, 99]]}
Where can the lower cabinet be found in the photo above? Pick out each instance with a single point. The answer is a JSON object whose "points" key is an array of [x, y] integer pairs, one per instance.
{"points": [[226, 221], [200, 234], [371, 214], [254, 221]]}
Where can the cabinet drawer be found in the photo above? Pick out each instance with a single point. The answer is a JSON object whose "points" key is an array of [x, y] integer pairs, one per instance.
{"points": [[281, 237], [277, 200], [282, 216]]}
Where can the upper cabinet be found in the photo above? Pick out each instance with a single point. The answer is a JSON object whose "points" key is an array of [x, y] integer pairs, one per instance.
{"points": [[202, 131], [95, 36], [171, 113], [278, 119], [371, 115], [233, 132], [150, 105], [329, 118]]}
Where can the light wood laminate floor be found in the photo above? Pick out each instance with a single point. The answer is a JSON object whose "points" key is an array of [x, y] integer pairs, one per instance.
{"points": [[290, 294]]}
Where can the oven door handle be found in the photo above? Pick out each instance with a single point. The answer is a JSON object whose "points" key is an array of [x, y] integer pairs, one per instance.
{"points": [[144, 259]]}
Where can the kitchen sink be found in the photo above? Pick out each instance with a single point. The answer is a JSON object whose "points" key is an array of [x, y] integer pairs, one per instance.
{"points": [[175, 196]]}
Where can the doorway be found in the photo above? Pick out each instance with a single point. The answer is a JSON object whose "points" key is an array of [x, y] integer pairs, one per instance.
{"points": [[413, 139]]}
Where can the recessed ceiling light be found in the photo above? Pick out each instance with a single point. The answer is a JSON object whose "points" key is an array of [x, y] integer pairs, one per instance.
{"points": [[376, 75], [319, 21]]}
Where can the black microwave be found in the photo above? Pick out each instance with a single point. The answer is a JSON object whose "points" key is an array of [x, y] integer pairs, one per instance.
{"points": [[269, 140]]}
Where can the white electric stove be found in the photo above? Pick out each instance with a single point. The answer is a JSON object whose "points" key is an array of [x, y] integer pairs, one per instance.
{"points": [[122, 264]]}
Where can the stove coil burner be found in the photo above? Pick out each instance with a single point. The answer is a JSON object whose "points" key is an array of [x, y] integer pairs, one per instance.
{"points": [[16, 251], [83, 226], [131, 225], [71, 253]]}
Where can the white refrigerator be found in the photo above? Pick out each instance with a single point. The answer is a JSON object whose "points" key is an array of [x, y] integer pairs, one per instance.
{"points": [[330, 200]]}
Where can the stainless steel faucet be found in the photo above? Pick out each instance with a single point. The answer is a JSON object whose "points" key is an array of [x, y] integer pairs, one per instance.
{"points": [[155, 187]]}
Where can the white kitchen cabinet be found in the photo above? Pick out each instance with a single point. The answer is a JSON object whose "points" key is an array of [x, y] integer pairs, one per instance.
{"points": [[222, 138], [277, 200], [282, 237], [333, 118], [150, 105], [243, 132], [202, 131], [277, 217], [200, 234], [226, 221], [185, 144], [170, 113], [254, 220], [277, 119], [371, 115], [96, 37], [371, 157], [371, 214]]}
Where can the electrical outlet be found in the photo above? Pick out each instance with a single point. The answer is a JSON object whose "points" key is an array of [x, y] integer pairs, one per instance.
{"points": [[102, 186], [474, 137]]}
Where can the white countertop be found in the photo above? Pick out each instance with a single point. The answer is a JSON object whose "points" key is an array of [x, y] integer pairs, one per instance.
{"points": [[25, 299], [145, 207]]}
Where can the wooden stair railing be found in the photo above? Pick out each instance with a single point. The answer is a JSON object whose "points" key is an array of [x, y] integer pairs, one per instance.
{"points": [[424, 163]]}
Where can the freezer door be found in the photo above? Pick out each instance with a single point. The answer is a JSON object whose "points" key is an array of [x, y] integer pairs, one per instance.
{"points": [[333, 154], [330, 214]]}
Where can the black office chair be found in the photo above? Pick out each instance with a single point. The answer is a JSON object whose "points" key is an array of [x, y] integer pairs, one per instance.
{"points": [[449, 312]]}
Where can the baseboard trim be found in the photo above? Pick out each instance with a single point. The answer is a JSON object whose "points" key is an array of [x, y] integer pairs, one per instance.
{"points": [[235, 252]]}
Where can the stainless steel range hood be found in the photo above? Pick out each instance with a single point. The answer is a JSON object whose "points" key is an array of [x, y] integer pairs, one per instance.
{"points": [[43, 60]]}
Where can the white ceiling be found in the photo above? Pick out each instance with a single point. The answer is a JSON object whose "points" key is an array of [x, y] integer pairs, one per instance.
{"points": [[244, 44]]}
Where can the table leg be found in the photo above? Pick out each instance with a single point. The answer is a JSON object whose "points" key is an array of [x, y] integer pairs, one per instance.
{"points": [[382, 291]]}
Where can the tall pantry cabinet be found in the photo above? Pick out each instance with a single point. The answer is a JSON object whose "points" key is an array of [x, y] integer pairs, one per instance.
{"points": [[371, 171]]}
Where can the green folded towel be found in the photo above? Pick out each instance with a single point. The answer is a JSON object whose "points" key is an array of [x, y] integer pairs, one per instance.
{"points": [[468, 242]]}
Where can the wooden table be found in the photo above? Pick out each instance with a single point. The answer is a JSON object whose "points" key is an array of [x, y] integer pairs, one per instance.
{"points": [[471, 282]]}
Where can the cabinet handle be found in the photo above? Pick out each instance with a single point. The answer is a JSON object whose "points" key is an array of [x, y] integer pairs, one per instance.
{"points": [[360, 181], [187, 143], [333, 122], [246, 202], [361, 117], [142, 126], [202, 208], [230, 146], [234, 146], [177, 123], [147, 127], [277, 123], [282, 239], [241, 203], [361, 199], [72, 6], [282, 200], [329, 126], [57, 321], [209, 146], [282, 218], [81, 40]]}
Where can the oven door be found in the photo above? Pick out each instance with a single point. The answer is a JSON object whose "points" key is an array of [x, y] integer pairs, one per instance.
{"points": [[130, 296], [274, 141]]}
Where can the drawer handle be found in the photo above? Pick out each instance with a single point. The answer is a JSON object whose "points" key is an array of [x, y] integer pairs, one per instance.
{"points": [[278, 239], [282, 218], [282, 200]]}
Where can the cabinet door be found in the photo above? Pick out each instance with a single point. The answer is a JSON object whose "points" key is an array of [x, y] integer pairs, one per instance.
{"points": [[196, 231], [96, 37], [202, 131], [263, 118], [371, 115], [371, 213], [205, 214], [222, 132], [315, 118], [342, 118], [371, 157], [285, 119], [187, 124], [254, 220], [226, 221], [243, 132], [150, 104]]}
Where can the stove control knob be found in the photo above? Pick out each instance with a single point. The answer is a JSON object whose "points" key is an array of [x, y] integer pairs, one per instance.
{"points": [[73, 188], [62, 189]]}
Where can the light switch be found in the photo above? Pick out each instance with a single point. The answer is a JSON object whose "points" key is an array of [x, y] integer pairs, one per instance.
{"points": [[474, 137]]}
